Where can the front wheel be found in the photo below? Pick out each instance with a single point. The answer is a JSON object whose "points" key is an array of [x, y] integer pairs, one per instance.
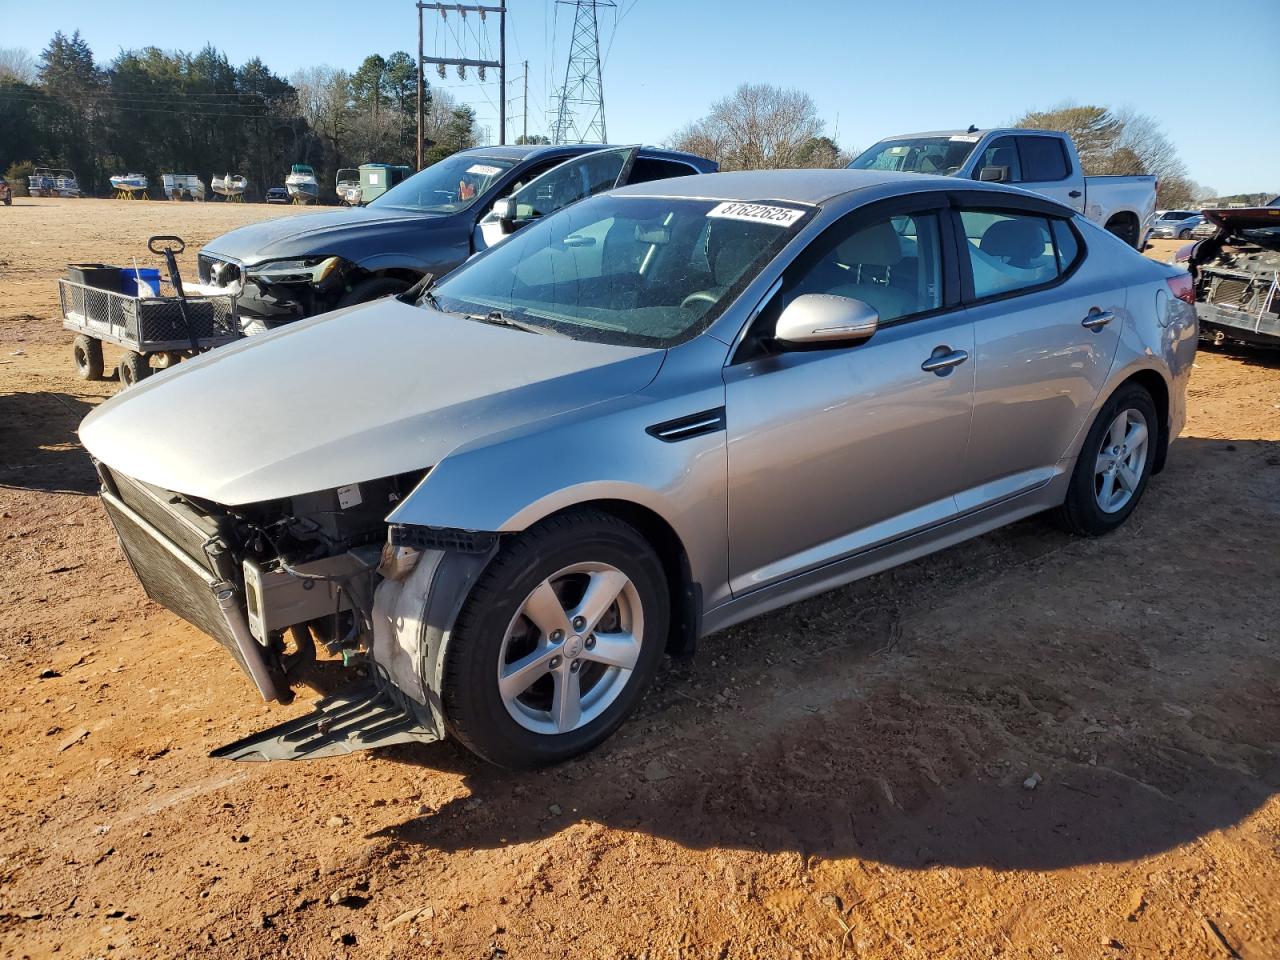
{"points": [[557, 642], [1114, 465], [132, 368]]}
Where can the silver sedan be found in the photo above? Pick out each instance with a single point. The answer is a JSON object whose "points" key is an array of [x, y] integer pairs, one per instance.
{"points": [[647, 417]]}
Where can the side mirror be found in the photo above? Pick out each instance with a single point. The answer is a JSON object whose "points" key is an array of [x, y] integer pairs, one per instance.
{"points": [[823, 318], [505, 212], [994, 174]]}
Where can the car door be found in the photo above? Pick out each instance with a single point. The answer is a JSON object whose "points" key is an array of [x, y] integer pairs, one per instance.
{"points": [[835, 449], [1046, 319], [582, 176]]}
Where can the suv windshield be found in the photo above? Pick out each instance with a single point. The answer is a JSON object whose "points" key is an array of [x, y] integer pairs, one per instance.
{"points": [[448, 186], [637, 271], [939, 155]]}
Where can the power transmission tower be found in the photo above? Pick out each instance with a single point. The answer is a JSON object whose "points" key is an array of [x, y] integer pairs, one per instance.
{"points": [[444, 9], [580, 117]]}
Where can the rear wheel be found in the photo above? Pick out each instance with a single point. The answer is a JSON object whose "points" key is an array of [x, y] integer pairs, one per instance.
{"points": [[1114, 465], [132, 368], [372, 289], [1126, 228], [88, 357], [557, 642]]}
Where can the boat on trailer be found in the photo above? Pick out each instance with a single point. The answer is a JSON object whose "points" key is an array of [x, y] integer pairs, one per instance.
{"points": [[348, 182], [230, 185], [302, 184], [130, 186], [183, 186], [52, 182]]}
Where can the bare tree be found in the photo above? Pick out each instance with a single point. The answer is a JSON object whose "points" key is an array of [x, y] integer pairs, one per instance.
{"points": [[758, 127], [16, 63]]}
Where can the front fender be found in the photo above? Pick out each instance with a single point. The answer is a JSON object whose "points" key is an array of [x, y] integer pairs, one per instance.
{"points": [[508, 483]]}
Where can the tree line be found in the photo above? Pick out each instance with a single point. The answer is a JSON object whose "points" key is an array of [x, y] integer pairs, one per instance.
{"points": [[152, 111]]}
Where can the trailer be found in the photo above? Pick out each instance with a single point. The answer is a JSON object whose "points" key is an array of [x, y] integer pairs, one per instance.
{"points": [[130, 308]]}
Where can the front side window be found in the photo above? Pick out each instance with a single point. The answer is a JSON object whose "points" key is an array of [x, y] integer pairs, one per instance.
{"points": [[644, 271], [569, 182], [451, 185], [1001, 152], [1043, 159], [894, 264], [1008, 251]]}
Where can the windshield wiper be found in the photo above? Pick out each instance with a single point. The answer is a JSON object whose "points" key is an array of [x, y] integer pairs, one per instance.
{"points": [[500, 319]]}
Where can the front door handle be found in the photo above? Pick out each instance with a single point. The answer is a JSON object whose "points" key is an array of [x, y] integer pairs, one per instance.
{"points": [[1097, 319], [942, 360], [1074, 194]]}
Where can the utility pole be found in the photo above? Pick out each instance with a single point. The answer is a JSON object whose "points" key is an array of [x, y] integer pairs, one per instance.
{"points": [[462, 9], [524, 102], [580, 117]]}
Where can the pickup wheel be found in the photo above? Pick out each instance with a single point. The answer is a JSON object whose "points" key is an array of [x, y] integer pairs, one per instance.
{"points": [[88, 357], [372, 289], [1125, 226], [1114, 465], [557, 642]]}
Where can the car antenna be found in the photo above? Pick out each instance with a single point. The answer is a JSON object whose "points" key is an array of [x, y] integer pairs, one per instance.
{"points": [[972, 129]]}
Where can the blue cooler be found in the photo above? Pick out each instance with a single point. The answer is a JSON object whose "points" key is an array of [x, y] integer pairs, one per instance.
{"points": [[140, 282]]}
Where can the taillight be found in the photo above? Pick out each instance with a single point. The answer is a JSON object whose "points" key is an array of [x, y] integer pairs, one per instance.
{"points": [[1183, 288]]}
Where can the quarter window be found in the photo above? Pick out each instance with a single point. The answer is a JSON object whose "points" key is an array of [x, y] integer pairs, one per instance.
{"points": [[1043, 159], [1009, 251]]}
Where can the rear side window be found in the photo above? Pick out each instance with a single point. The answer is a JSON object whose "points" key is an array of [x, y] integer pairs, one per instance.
{"points": [[647, 169], [1009, 251], [1067, 244], [1043, 159]]}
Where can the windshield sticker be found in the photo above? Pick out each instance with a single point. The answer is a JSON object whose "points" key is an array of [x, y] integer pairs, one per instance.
{"points": [[757, 213], [964, 138], [484, 170]]}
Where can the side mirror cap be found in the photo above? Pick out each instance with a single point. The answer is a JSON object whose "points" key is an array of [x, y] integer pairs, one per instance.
{"points": [[824, 318], [993, 174], [505, 212]]}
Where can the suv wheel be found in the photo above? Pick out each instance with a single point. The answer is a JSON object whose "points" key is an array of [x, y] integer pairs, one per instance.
{"points": [[557, 642]]}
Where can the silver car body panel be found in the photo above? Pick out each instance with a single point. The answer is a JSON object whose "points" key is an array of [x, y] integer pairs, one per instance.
{"points": [[367, 392]]}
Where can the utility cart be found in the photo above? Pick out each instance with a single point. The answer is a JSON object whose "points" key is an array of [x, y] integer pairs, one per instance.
{"points": [[131, 309]]}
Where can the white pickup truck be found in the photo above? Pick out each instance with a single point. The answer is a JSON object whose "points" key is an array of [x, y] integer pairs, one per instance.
{"points": [[1042, 161]]}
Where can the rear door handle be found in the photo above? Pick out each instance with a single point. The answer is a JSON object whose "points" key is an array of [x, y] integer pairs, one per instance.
{"points": [[942, 360], [1097, 319]]}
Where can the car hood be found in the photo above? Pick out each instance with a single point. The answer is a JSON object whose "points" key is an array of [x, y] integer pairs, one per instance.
{"points": [[376, 390], [1245, 218], [351, 232]]}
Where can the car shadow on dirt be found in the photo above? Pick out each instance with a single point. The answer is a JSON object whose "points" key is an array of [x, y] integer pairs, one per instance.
{"points": [[39, 449], [1025, 701]]}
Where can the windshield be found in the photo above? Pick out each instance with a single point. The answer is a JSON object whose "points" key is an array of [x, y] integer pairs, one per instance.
{"points": [[636, 271], [453, 184], [939, 155]]}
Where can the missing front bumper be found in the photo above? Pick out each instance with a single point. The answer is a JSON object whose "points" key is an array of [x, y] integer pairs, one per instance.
{"points": [[358, 718]]}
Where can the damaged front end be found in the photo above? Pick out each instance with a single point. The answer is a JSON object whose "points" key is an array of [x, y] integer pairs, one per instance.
{"points": [[1237, 277], [272, 580]]}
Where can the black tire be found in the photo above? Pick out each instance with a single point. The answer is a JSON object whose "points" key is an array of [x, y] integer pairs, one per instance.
{"points": [[1126, 228], [132, 368], [474, 710], [372, 289], [8, 201], [1184, 235], [1081, 513], [88, 357]]}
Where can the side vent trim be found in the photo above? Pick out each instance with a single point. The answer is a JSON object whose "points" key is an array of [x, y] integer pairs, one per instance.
{"points": [[686, 428]]}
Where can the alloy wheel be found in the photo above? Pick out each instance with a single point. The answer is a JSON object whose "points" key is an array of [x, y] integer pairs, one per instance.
{"points": [[1120, 461], [570, 650]]}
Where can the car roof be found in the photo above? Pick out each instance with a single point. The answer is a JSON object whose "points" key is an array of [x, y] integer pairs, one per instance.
{"points": [[799, 186], [534, 151]]}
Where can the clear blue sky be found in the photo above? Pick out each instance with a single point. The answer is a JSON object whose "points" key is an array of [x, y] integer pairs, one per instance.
{"points": [[874, 68]]}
